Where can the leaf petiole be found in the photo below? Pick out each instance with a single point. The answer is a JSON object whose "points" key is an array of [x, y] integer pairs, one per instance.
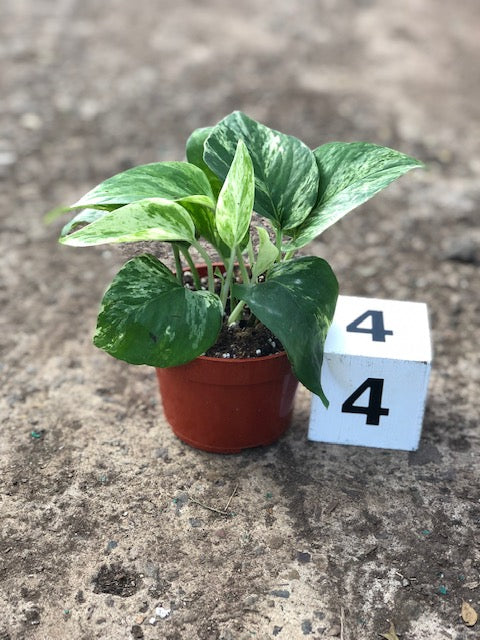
{"points": [[193, 268], [236, 313], [208, 262], [178, 263], [228, 278]]}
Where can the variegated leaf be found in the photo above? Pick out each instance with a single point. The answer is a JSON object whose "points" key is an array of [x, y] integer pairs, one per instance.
{"points": [[150, 219], [235, 201], [350, 174], [147, 317], [297, 304], [169, 180], [286, 174]]}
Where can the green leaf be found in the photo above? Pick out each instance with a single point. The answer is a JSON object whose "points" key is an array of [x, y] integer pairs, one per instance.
{"points": [[202, 212], [169, 180], [267, 253], [194, 151], [150, 219], [297, 304], [350, 174], [286, 174], [235, 202], [83, 218], [147, 317]]}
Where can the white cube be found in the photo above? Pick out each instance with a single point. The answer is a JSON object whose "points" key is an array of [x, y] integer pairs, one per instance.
{"points": [[375, 375]]}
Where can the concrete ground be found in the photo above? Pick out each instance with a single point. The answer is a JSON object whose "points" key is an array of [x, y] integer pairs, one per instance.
{"points": [[104, 529]]}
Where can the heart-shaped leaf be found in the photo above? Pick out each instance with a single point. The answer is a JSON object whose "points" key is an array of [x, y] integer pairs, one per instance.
{"points": [[286, 174], [147, 317], [169, 180], [194, 152], [350, 174], [151, 219], [235, 201], [297, 304]]}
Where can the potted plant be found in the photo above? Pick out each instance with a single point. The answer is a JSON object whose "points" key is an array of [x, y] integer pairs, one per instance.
{"points": [[259, 287]]}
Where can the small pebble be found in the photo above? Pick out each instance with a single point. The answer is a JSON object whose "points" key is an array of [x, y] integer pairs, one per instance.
{"points": [[258, 352], [162, 613], [137, 632], [306, 627], [303, 557], [152, 620]]}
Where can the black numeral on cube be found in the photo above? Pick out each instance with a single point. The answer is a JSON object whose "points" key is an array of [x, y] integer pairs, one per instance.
{"points": [[377, 329], [374, 410]]}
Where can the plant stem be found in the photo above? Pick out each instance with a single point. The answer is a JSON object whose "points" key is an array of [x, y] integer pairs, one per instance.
{"points": [[208, 262], [289, 255], [251, 256], [228, 278], [193, 268], [243, 268], [178, 263], [234, 316]]}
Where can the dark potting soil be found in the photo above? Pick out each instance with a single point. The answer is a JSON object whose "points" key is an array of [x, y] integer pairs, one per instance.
{"points": [[244, 341]]}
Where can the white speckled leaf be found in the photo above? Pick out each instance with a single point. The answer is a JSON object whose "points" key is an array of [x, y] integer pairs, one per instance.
{"points": [[235, 201], [297, 304], [169, 180], [286, 174], [350, 174], [151, 219], [147, 317]]}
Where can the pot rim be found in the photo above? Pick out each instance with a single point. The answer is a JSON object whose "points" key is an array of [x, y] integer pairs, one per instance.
{"points": [[270, 356]]}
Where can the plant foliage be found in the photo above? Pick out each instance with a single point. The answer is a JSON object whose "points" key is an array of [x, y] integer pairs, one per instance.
{"points": [[232, 169]]}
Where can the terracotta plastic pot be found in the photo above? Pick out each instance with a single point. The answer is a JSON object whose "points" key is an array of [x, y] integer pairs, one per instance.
{"points": [[226, 405], [229, 405]]}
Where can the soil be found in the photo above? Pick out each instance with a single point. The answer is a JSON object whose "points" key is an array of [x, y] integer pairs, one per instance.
{"points": [[244, 341], [105, 517]]}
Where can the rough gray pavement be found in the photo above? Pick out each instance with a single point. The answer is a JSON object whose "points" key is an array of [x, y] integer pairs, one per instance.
{"points": [[100, 517]]}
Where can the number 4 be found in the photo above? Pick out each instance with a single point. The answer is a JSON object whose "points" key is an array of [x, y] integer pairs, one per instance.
{"points": [[374, 409], [377, 329]]}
